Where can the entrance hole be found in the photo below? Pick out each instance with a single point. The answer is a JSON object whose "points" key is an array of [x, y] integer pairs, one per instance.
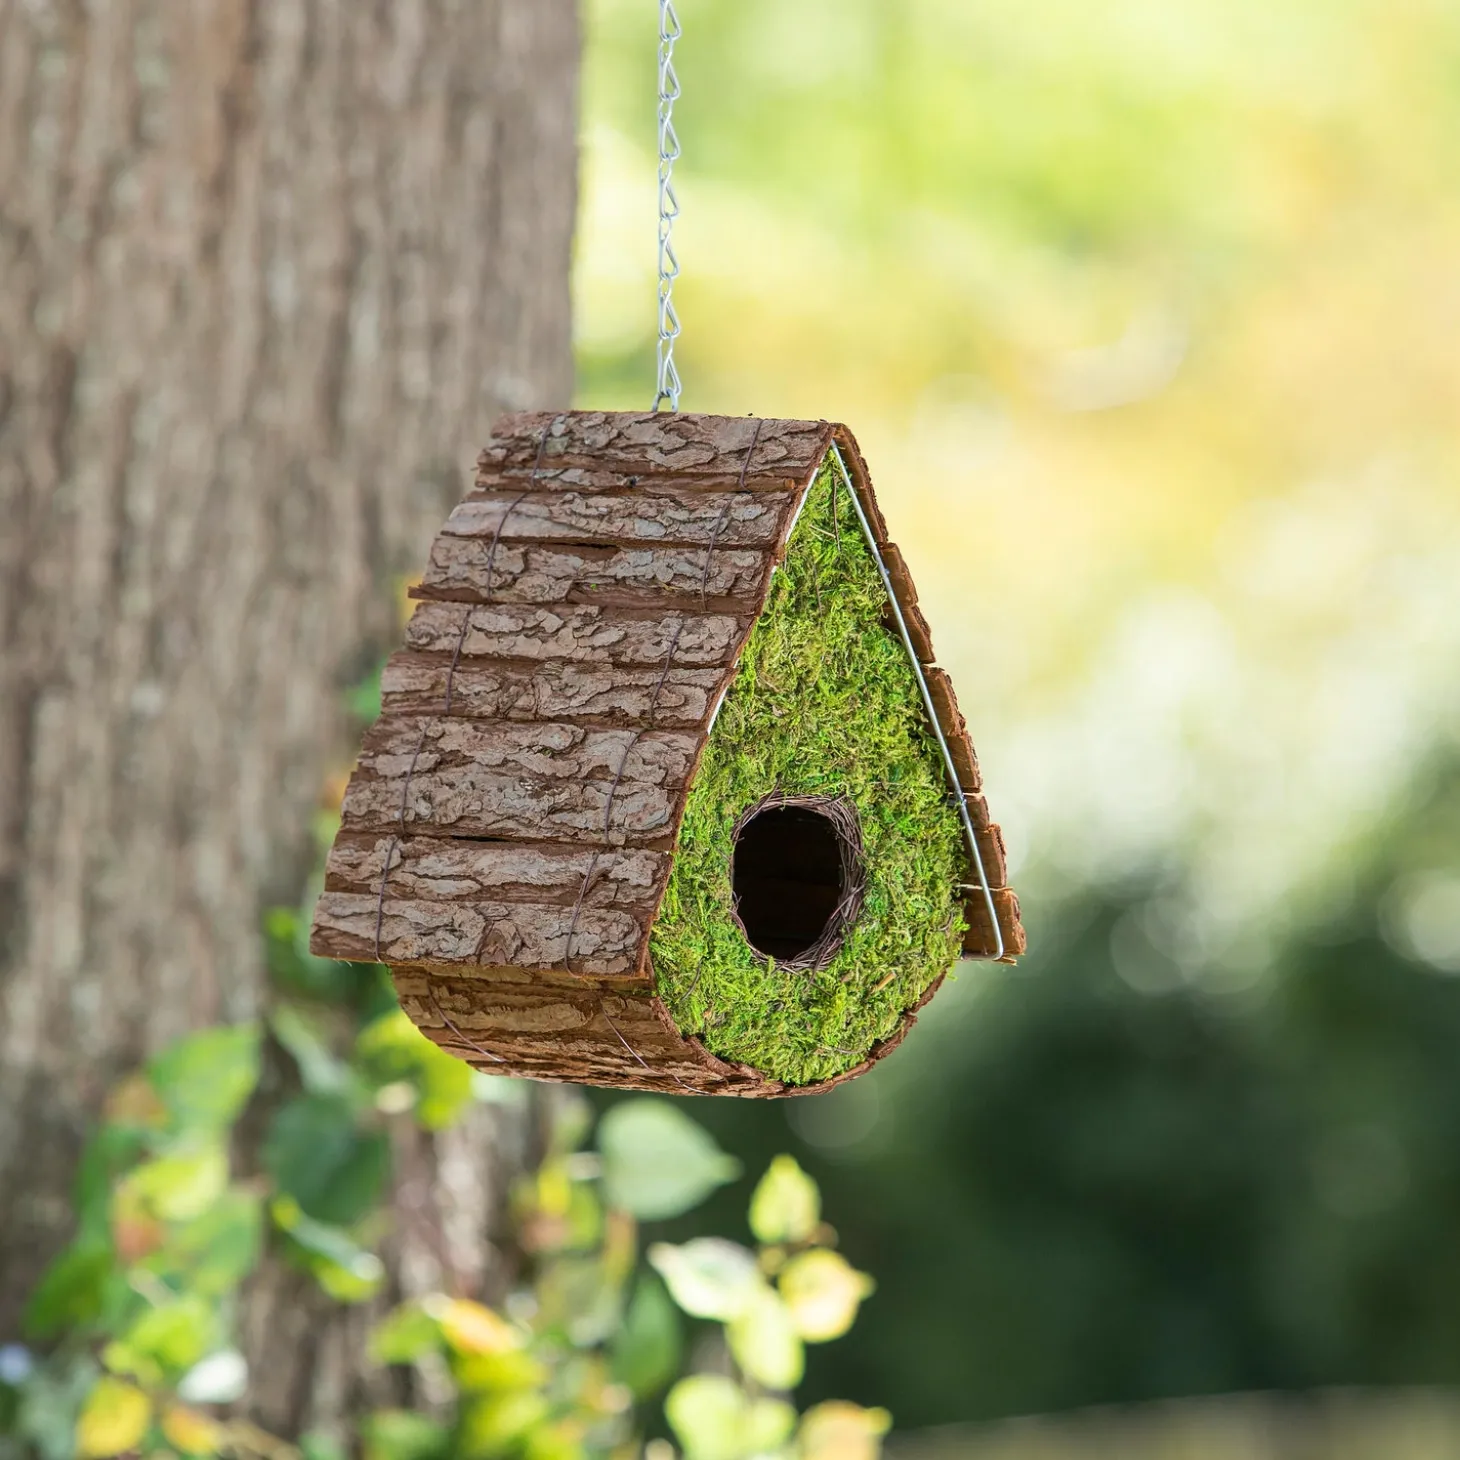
{"points": [[796, 877]]}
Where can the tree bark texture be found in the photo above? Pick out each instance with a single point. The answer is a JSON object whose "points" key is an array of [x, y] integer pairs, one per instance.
{"points": [[269, 269]]}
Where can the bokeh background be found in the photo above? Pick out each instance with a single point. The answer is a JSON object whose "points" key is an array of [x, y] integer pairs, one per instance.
{"points": [[1146, 318]]}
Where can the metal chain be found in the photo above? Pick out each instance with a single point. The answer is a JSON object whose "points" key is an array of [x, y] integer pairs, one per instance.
{"points": [[669, 32]]}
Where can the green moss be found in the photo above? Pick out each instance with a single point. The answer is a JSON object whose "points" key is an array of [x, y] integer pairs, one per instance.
{"points": [[825, 703]]}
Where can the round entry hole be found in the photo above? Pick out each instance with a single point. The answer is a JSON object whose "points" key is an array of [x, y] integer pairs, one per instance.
{"points": [[797, 878]]}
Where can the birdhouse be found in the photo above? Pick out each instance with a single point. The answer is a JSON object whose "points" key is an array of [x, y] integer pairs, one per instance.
{"points": [[666, 790]]}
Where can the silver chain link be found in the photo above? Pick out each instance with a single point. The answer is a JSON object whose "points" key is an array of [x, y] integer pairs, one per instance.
{"points": [[669, 384]]}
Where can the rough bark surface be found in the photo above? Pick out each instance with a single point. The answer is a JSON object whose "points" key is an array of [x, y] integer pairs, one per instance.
{"points": [[578, 634], [542, 573], [701, 453], [506, 691], [270, 269], [730, 519], [584, 612]]}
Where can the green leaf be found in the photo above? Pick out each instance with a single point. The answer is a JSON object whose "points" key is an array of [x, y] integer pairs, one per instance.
{"points": [[786, 1206], [175, 1335], [473, 1328], [716, 1420], [213, 1253], [562, 1440], [113, 1420], [446, 1088], [316, 1153], [295, 969], [657, 1162], [49, 1406], [580, 1297], [709, 1277], [388, 1049], [396, 1434], [764, 1342], [363, 699], [109, 1151], [494, 1425], [646, 1351], [405, 1335], [315, 1445], [178, 1187], [71, 1291], [769, 1423], [503, 1370], [392, 1049], [344, 1269], [321, 1072], [823, 1292], [206, 1079]]}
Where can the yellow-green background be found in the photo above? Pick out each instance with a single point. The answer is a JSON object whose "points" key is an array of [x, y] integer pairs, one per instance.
{"points": [[1147, 316]]}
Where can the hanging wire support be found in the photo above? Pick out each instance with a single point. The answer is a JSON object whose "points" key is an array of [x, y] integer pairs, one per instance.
{"points": [[669, 384]]}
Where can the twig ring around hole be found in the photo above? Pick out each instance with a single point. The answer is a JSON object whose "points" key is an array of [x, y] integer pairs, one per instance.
{"points": [[797, 875]]}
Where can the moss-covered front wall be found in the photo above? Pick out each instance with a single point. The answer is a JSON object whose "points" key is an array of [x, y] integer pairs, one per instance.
{"points": [[825, 703]]}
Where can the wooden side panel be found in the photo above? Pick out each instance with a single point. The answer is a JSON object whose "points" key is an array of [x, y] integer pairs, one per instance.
{"points": [[980, 940]]}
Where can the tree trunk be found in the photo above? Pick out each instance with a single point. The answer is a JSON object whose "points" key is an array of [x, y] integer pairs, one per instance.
{"points": [[268, 271]]}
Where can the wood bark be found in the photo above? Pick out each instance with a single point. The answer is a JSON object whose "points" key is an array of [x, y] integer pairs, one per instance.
{"points": [[542, 573], [519, 781], [705, 453], [414, 684], [432, 869], [579, 634], [728, 519], [270, 270]]}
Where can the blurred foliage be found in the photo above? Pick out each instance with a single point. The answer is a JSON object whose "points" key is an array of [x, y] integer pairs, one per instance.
{"points": [[129, 1342], [1144, 315]]}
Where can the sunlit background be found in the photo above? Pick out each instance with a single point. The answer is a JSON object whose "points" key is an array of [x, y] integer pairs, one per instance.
{"points": [[1146, 316]]}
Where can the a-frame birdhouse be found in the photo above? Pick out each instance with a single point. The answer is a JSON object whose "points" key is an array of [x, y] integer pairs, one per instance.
{"points": [[666, 791]]}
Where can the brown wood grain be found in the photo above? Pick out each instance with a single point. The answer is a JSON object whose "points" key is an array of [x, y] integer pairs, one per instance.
{"points": [[577, 633], [439, 869], [691, 448], [955, 728], [556, 782], [515, 934], [726, 519], [907, 600], [416, 684], [979, 941], [549, 574]]}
